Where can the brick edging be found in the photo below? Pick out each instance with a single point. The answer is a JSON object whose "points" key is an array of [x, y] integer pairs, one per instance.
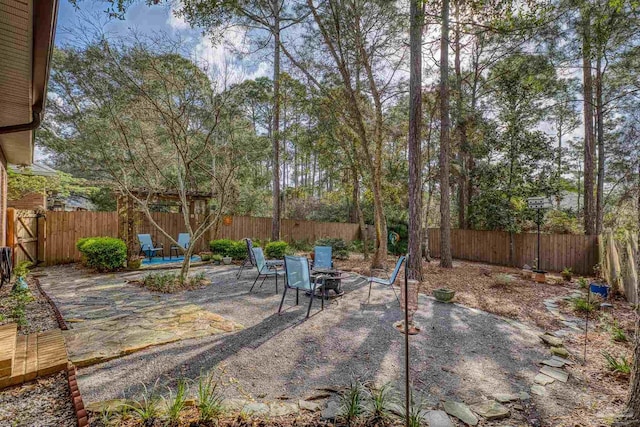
{"points": [[76, 398], [61, 323]]}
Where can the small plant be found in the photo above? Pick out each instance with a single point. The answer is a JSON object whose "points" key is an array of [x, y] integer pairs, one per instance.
{"points": [[581, 305], [614, 364], [147, 409], [217, 258], [617, 333], [134, 262], [206, 256], [107, 417], [503, 280], [583, 283], [381, 400], [567, 274], [22, 269], [198, 279], [352, 402], [161, 282], [176, 402], [209, 399], [277, 249], [416, 412]]}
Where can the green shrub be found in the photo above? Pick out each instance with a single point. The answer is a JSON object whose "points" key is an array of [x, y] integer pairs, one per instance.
{"points": [[358, 246], [103, 253], [301, 245], [339, 247], [277, 249], [228, 247]]}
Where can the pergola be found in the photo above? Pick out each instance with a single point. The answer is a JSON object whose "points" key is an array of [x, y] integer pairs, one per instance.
{"points": [[130, 215]]}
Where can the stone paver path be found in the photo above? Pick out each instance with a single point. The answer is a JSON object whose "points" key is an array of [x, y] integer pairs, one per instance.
{"points": [[109, 318]]}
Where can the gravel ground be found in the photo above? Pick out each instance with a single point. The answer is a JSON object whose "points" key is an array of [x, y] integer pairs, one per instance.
{"points": [[461, 353], [41, 403], [45, 401]]}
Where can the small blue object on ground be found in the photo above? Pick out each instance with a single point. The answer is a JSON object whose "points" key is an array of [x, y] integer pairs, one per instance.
{"points": [[160, 260], [599, 289]]}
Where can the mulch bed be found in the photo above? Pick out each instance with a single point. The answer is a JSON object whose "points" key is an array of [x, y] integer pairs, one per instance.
{"points": [[45, 401], [40, 316]]}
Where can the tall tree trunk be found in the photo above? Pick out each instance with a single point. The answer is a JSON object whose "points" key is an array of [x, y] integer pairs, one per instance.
{"points": [[600, 138], [275, 134], [631, 416], [589, 140], [461, 130], [445, 195], [414, 265], [559, 171]]}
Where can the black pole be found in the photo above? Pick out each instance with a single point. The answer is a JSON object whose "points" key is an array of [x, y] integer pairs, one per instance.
{"points": [[406, 342], [538, 239]]}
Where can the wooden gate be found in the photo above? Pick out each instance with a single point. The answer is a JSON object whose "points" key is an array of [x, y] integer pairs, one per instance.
{"points": [[25, 235]]}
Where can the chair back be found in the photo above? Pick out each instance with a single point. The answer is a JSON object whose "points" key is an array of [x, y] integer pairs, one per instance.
{"points": [[261, 264], [252, 257], [183, 240], [145, 241], [322, 257], [297, 269], [396, 270]]}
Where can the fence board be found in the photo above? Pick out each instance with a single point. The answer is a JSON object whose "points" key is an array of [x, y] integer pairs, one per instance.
{"points": [[63, 229], [557, 251]]}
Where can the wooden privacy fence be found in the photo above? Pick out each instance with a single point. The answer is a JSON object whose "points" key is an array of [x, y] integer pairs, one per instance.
{"points": [[557, 251], [63, 229]]}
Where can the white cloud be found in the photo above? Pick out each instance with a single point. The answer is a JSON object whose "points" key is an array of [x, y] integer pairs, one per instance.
{"points": [[175, 22], [224, 58]]}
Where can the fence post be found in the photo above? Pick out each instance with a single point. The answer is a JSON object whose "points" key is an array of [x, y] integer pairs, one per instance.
{"points": [[11, 232]]}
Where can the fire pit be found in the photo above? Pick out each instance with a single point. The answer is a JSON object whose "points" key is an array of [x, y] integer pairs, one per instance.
{"points": [[332, 284]]}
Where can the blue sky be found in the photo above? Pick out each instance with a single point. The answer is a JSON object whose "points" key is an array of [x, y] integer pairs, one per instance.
{"points": [[145, 19]]}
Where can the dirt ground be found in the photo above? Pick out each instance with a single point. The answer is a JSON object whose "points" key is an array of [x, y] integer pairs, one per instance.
{"points": [[522, 300]]}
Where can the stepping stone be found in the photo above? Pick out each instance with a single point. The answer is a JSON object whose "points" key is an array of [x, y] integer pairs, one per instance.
{"points": [[559, 351], [564, 332], [555, 373], [506, 397], [491, 410], [331, 411], [553, 363], [523, 395], [538, 390], [562, 359], [543, 379], [283, 409], [551, 340], [461, 412], [438, 419], [256, 408], [307, 405]]}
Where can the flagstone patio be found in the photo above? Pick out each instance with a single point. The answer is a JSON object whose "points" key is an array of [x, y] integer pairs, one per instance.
{"points": [[109, 317]]}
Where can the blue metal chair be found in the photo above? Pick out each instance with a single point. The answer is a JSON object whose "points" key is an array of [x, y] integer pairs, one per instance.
{"points": [[265, 270], [389, 281], [298, 277], [147, 247], [250, 260], [184, 240], [322, 257]]}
